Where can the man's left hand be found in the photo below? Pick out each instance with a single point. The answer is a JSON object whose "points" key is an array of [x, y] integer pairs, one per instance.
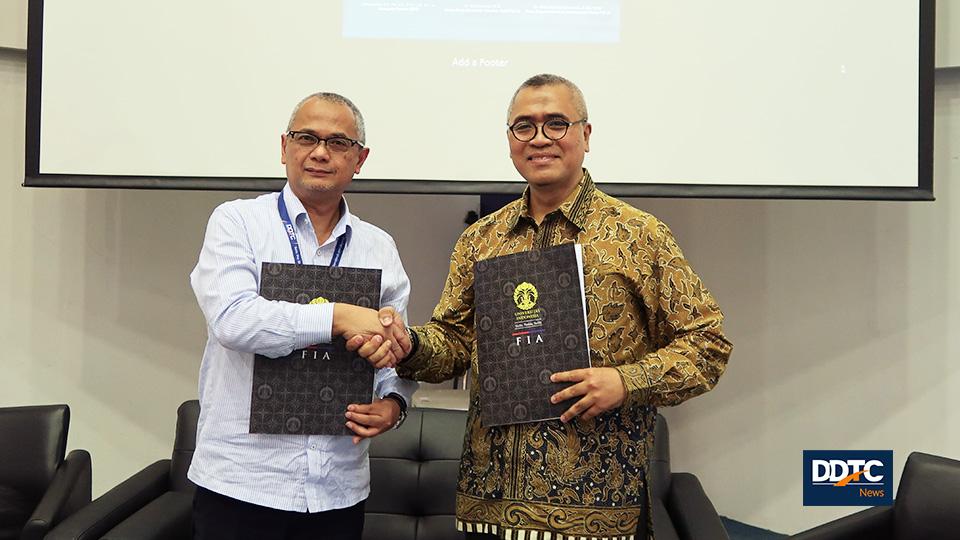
{"points": [[372, 419], [602, 389]]}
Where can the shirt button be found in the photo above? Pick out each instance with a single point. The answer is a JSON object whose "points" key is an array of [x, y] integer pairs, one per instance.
{"points": [[318, 252], [313, 447]]}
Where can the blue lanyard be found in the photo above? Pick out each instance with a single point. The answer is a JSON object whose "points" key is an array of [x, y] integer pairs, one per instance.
{"points": [[292, 236]]}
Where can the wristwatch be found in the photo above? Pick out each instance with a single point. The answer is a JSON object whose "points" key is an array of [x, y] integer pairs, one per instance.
{"points": [[403, 407]]}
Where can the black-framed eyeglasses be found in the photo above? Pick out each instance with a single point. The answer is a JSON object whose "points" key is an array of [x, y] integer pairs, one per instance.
{"points": [[553, 129], [335, 143]]}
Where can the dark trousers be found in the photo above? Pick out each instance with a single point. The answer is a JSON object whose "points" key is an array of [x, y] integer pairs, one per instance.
{"points": [[480, 536], [217, 517]]}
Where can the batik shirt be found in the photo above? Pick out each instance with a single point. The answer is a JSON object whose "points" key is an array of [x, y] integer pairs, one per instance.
{"points": [[648, 316]]}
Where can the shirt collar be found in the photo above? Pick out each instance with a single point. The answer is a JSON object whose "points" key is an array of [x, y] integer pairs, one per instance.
{"points": [[574, 208], [296, 209]]}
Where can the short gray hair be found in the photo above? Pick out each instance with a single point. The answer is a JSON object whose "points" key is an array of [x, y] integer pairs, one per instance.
{"points": [[331, 97], [548, 79]]}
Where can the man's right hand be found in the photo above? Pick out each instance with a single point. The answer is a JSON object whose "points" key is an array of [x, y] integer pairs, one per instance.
{"points": [[375, 349], [380, 337]]}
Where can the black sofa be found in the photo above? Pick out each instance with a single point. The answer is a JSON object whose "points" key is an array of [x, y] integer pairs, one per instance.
{"points": [[680, 507], [155, 503], [412, 487], [925, 507], [413, 478], [38, 486]]}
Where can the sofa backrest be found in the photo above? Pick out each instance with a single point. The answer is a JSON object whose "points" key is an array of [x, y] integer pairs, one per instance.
{"points": [[183, 446], [33, 443], [413, 478], [659, 475], [660, 460], [926, 504]]}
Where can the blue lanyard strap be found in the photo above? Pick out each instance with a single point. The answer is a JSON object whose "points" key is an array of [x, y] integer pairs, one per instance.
{"points": [[338, 250], [292, 236]]}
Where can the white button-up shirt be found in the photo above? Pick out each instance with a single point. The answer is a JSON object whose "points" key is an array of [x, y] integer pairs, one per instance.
{"points": [[302, 473]]}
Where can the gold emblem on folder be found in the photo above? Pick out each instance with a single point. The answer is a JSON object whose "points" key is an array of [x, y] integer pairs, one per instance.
{"points": [[525, 296]]}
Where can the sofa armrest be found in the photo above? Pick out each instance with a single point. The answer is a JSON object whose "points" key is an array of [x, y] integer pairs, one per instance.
{"points": [[875, 523], [691, 512], [94, 520], [68, 491], [168, 517]]}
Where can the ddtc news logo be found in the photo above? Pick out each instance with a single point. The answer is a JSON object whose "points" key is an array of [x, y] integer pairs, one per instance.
{"points": [[847, 477]]}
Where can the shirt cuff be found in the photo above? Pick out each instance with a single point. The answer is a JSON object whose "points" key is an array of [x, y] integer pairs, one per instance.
{"points": [[417, 360], [637, 383], [313, 325], [393, 384]]}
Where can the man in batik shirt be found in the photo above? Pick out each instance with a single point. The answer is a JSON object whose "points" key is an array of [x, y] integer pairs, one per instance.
{"points": [[655, 339]]}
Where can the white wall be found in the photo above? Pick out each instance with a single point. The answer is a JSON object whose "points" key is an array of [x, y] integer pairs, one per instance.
{"points": [[844, 316], [948, 34], [13, 24]]}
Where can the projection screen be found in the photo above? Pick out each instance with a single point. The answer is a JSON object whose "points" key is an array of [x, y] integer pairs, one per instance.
{"points": [[697, 98]]}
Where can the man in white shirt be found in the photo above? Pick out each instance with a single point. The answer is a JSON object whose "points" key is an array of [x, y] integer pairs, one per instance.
{"points": [[258, 486]]}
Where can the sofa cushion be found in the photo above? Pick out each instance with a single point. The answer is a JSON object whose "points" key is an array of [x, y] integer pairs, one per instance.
{"points": [[15, 510]]}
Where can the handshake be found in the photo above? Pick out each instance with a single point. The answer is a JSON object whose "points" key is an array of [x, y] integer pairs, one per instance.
{"points": [[379, 336]]}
